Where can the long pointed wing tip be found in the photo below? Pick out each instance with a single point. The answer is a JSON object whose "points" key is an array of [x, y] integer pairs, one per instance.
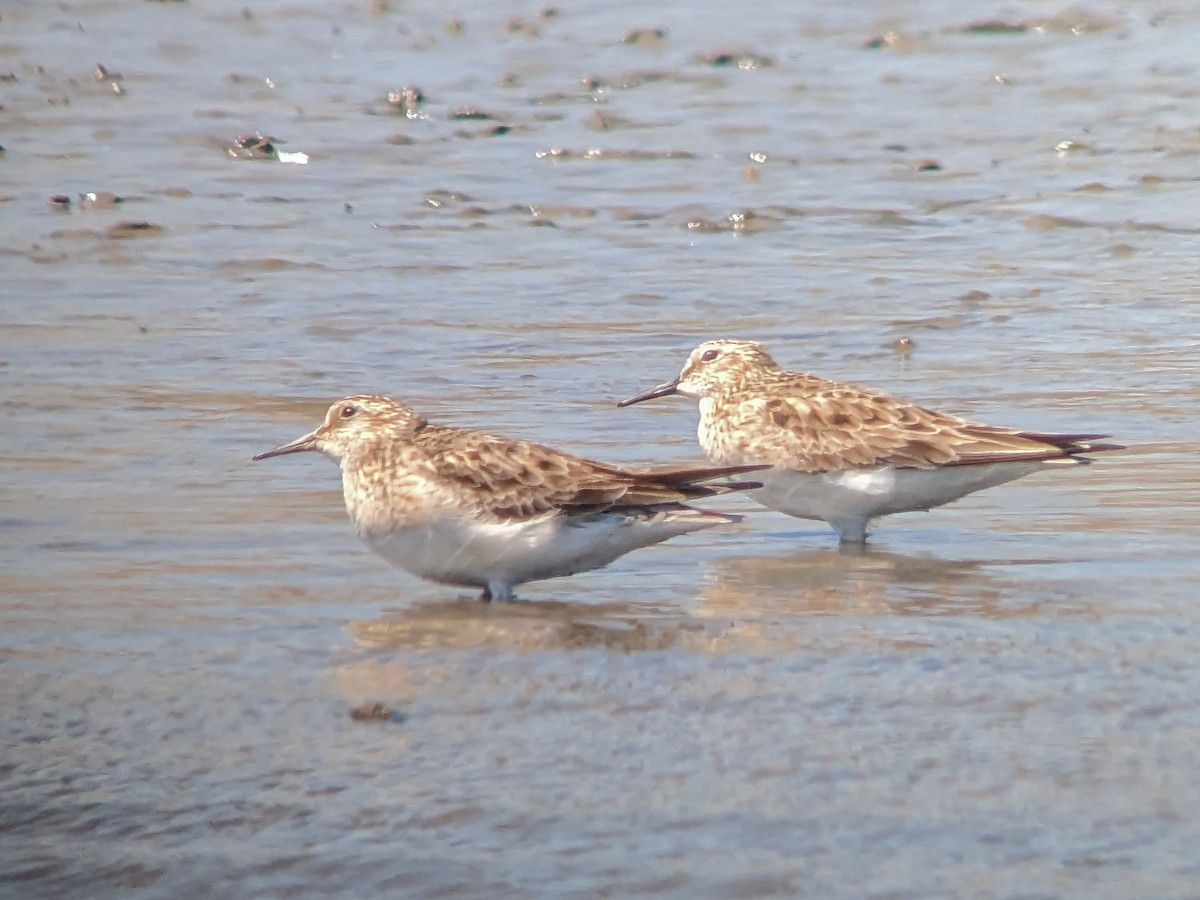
{"points": [[1089, 447]]}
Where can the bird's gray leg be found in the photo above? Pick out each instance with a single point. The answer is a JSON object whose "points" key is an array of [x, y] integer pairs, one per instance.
{"points": [[851, 531], [498, 590]]}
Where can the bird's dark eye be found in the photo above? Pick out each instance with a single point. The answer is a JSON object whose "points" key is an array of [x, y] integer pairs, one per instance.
{"points": [[709, 356], [348, 411]]}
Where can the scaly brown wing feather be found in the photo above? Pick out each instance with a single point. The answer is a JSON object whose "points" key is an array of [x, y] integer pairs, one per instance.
{"points": [[825, 425], [515, 479]]}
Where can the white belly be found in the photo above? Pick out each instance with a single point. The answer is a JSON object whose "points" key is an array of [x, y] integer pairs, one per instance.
{"points": [[847, 500], [499, 555]]}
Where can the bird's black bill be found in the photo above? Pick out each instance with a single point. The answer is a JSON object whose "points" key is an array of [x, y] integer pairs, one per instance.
{"points": [[299, 445], [663, 390]]}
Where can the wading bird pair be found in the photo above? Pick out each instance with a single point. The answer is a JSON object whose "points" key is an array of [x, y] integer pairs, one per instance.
{"points": [[462, 507]]}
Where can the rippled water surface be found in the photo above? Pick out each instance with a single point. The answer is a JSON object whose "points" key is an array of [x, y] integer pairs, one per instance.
{"points": [[998, 699]]}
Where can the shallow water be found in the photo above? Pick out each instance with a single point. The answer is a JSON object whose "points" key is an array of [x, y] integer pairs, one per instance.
{"points": [[997, 700]]}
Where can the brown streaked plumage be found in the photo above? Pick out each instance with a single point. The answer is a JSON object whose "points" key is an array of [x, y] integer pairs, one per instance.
{"points": [[847, 454], [463, 507]]}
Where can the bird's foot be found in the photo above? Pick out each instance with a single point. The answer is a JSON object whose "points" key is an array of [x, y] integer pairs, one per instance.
{"points": [[502, 592]]}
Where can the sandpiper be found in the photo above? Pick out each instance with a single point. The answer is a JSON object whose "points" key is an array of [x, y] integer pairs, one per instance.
{"points": [[463, 507], [845, 454]]}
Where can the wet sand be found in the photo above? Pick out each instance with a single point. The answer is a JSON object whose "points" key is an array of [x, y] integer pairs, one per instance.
{"points": [[513, 216]]}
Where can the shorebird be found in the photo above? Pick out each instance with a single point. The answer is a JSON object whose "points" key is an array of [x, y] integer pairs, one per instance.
{"points": [[462, 507], [845, 454]]}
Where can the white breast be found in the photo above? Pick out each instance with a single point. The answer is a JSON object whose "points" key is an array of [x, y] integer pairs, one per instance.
{"points": [[470, 553], [848, 499], [466, 553]]}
